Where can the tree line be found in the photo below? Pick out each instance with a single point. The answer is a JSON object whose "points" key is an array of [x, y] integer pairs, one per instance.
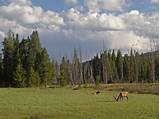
{"points": [[25, 63], [110, 67]]}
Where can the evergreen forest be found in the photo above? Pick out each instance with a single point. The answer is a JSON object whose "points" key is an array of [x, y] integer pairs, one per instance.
{"points": [[25, 63]]}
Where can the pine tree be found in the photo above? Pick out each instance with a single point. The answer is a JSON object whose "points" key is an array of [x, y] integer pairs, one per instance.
{"points": [[119, 65], [105, 66], [57, 74], [19, 75], [1, 71], [64, 72], [45, 68], [131, 69], [8, 60], [136, 67], [33, 78], [113, 65], [126, 68], [96, 68], [35, 42]]}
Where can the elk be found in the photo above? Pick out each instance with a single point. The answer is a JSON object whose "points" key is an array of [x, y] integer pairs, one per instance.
{"points": [[96, 92], [121, 95]]}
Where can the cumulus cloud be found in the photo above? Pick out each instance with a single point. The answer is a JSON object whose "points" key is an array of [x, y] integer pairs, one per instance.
{"points": [[21, 15], [27, 14], [93, 21], [111, 5], [127, 40], [124, 31], [63, 31], [142, 24]]}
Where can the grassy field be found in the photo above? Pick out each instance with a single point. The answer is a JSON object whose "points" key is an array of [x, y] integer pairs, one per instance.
{"points": [[65, 103]]}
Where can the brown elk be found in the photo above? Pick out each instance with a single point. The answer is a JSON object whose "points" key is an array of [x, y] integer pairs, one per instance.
{"points": [[121, 95], [96, 92]]}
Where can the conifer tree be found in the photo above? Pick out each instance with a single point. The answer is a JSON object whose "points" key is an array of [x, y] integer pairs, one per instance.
{"points": [[119, 65], [1, 71], [33, 78], [113, 65], [64, 72], [45, 68], [19, 75], [8, 60]]}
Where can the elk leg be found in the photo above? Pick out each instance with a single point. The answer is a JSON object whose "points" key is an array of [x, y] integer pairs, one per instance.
{"points": [[127, 97], [118, 98], [115, 98]]}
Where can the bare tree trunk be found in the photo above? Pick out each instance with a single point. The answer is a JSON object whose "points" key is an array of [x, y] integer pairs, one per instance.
{"points": [[81, 68], [122, 71], [136, 68], [153, 67], [85, 73], [91, 76], [71, 74]]}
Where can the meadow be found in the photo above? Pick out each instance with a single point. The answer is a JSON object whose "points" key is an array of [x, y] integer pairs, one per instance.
{"points": [[66, 103]]}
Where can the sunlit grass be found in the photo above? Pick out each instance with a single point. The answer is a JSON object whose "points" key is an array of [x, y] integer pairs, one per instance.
{"points": [[65, 103]]}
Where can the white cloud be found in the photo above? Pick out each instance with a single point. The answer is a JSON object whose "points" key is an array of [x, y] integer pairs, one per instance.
{"points": [[155, 1], [21, 2], [71, 2], [127, 40], [6, 24], [111, 5], [93, 21], [23, 13], [132, 29], [61, 32], [142, 24]]}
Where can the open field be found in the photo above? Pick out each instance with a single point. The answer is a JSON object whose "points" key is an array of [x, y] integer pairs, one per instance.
{"points": [[65, 103]]}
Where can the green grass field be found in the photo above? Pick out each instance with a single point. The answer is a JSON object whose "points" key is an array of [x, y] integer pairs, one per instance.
{"points": [[65, 103]]}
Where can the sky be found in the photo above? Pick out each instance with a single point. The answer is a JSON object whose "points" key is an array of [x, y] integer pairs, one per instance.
{"points": [[88, 25]]}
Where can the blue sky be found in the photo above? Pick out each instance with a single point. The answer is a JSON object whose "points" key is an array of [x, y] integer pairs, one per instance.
{"points": [[67, 24], [55, 5], [60, 5]]}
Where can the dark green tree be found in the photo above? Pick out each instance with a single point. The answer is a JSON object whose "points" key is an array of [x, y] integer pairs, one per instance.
{"points": [[64, 72], [119, 65], [9, 58], [45, 68], [19, 75], [33, 78]]}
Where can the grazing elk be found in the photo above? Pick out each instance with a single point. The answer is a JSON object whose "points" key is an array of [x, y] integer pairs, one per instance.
{"points": [[121, 95], [96, 92]]}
